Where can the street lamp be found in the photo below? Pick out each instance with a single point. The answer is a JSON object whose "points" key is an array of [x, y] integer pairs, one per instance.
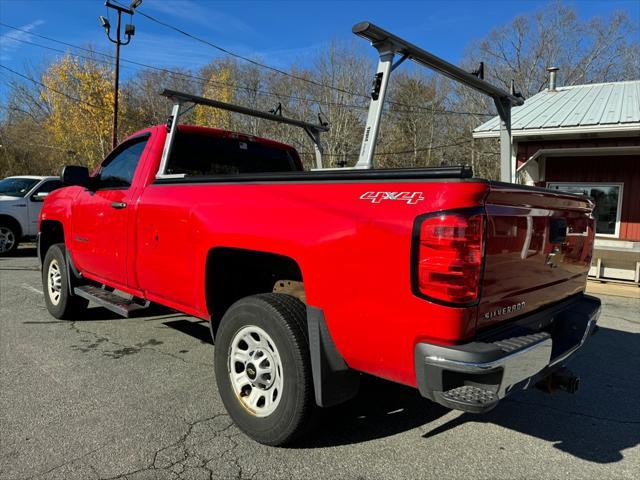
{"points": [[129, 31]]}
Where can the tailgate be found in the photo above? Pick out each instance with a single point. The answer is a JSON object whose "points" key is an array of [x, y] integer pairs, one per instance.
{"points": [[538, 250]]}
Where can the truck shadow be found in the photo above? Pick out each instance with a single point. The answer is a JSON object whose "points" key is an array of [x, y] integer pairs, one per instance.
{"points": [[597, 423], [194, 328], [380, 409]]}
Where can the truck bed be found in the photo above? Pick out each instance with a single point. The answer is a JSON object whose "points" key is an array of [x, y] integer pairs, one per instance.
{"points": [[332, 175]]}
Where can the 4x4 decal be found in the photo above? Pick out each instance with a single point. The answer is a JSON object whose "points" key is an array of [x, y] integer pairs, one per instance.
{"points": [[376, 197]]}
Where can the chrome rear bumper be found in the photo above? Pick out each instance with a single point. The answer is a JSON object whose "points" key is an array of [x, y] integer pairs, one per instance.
{"points": [[512, 361]]}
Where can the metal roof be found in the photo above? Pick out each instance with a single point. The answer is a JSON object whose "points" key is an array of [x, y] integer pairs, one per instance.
{"points": [[598, 107]]}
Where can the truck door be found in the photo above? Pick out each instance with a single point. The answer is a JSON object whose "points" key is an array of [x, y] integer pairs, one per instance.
{"points": [[101, 215]]}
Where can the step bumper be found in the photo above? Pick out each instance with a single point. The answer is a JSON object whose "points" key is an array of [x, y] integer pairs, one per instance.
{"points": [[475, 376]]}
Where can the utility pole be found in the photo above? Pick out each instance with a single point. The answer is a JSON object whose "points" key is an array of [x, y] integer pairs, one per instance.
{"points": [[129, 31]]}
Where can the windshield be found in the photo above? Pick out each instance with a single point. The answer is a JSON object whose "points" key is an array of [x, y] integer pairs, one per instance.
{"points": [[16, 187]]}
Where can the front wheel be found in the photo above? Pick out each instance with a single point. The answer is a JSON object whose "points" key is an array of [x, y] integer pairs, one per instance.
{"points": [[263, 368], [55, 284]]}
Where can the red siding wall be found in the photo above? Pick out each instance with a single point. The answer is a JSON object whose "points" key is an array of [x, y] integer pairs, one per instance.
{"points": [[615, 169]]}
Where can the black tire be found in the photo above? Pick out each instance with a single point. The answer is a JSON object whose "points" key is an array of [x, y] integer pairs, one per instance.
{"points": [[67, 306], [12, 231], [283, 318]]}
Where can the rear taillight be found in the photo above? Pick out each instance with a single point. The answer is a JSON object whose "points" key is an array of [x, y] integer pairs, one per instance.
{"points": [[447, 256]]}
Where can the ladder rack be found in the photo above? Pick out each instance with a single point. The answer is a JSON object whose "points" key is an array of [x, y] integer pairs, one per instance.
{"points": [[180, 98], [388, 45]]}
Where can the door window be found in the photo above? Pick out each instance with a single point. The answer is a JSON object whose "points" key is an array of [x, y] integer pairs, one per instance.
{"points": [[608, 200], [118, 169]]}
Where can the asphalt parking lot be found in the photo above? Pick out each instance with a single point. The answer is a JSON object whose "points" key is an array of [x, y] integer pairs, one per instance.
{"points": [[106, 398]]}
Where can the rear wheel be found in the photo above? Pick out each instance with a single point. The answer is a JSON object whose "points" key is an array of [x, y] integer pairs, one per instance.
{"points": [[263, 368], [9, 238], [55, 284]]}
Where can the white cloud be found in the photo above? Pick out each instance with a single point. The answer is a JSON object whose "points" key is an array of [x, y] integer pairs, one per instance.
{"points": [[163, 51], [195, 13], [10, 41], [284, 57]]}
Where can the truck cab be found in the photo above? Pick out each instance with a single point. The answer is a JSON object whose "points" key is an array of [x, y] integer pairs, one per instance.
{"points": [[21, 200]]}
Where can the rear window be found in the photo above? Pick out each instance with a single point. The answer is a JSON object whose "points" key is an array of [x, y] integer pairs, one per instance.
{"points": [[201, 154]]}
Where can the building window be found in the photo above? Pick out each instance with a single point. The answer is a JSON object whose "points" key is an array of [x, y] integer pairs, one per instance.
{"points": [[608, 200]]}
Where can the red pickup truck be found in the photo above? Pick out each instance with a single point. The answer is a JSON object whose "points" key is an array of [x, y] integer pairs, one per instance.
{"points": [[465, 288]]}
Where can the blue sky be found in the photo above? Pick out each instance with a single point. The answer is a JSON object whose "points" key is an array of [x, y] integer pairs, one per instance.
{"points": [[278, 33]]}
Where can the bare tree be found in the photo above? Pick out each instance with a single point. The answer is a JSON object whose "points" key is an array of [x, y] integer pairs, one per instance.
{"points": [[590, 51]]}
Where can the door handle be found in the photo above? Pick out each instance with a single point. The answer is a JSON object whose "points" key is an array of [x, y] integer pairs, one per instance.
{"points": [[119, 205]]}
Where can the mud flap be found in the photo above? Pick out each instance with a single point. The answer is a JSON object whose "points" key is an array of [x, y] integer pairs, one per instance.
{"points": [[334, 382]]}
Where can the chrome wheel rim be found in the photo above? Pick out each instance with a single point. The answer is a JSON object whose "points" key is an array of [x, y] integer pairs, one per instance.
{"points": [[255, 370], [7, 239], [54, 281]]}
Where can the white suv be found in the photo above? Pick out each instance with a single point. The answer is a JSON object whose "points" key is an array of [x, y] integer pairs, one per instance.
{"points": [[21, 200]]}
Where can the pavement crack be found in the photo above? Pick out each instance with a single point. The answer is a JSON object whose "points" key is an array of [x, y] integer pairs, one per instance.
{"points": [[185, 454], [68, 462]]}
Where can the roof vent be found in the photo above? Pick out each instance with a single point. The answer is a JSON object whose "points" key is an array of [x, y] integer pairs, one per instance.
{"points": [[553, 71]]}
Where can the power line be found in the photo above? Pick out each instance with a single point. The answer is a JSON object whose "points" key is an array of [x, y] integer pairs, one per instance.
{"points": [[409, 108], [177, 73], [413, 109], [171, 72], [402, 152], [46, 87], [302, 153], [17, 109], [246, 59], [282, 72], [66, 52], [426, 149]]}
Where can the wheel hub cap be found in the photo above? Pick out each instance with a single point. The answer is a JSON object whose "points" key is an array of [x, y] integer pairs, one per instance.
{"points": [[54, 282], [255, 370]]}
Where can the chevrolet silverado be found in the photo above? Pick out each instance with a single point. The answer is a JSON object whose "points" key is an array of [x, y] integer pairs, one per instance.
{"points": [[464, 288]]}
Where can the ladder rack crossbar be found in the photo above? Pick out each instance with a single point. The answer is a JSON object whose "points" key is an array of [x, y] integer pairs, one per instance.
{"points": [[186, 97], [397, 45]]}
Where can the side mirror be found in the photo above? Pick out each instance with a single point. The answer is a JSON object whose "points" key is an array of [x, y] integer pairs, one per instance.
{"points": [[39, 197], [75, 175]]}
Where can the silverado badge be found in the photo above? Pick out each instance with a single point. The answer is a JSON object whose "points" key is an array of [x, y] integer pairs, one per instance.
{"points": [[504, 310]]}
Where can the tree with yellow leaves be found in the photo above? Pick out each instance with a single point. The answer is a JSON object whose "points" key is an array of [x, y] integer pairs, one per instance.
{"points": [[219, 77], [79, 95]]}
